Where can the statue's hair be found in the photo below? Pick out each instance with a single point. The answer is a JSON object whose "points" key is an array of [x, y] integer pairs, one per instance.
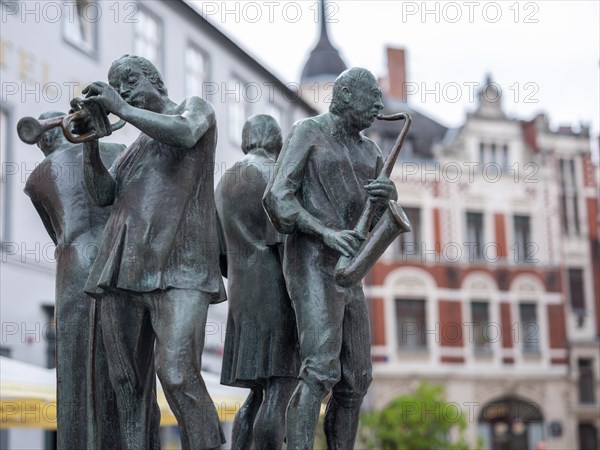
{"points": [[261, 131], [148, 69], [351, 79]]}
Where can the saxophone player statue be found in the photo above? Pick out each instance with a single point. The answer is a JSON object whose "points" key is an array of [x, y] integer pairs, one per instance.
{"points": [[327, 172]]}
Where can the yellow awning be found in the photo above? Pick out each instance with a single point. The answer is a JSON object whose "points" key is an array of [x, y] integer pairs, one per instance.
{"points": [[28, 397]]}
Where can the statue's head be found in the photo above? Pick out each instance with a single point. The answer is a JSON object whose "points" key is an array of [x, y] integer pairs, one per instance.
{"points": [[262, 131], [53, 138], [356, 98], [137, 81]]}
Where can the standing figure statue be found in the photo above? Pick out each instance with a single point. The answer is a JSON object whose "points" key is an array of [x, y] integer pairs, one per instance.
{"points": [[86, 415], [326, 173], [157, 268], [261, 344]]}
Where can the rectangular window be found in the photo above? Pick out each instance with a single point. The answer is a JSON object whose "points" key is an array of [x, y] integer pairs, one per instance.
{"points": [[4, 156], [575, 214], [409, 244], [529, 328], [196, 71], [493, 158], [480, 317], [576, 293], [80, 25], [563, 213], [475, 235], [569, 208], [561, 171], [237, 109], [412, 322], [491, 153], [572, 172], [523, 246], [147, 37], [586, 381], [505, 157], [275, 112]]}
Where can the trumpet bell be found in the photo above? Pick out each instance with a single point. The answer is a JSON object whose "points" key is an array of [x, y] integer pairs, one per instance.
{"points": [[30, 130]]}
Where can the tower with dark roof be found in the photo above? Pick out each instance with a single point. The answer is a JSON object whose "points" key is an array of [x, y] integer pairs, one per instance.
{"points": [[322, 68]]}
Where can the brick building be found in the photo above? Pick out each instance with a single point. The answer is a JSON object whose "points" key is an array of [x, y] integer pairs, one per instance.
{"points": [[495, 292]]}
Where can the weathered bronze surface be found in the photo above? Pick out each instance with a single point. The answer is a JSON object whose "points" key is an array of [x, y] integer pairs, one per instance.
{"points": [[30, 130], [157, 267], [394, 222], [326, 173], [161, 239], [87, 417], [261, 344]]}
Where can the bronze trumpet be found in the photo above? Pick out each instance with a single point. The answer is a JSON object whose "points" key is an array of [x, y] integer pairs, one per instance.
{"points": [[30, 129], [393, 222]]}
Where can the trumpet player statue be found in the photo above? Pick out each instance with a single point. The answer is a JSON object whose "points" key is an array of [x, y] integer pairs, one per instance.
{"points": [[157, 268], [85, 400], [261, 344], [326, 173]]}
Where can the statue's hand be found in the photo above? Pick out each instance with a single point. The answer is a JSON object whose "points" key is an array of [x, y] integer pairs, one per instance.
{"points": [[94, 118], [83, 124], [347, 242], [106, 96], [381, 189]]}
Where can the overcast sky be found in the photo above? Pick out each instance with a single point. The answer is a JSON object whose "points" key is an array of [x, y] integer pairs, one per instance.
{"points": [[545, 55]]}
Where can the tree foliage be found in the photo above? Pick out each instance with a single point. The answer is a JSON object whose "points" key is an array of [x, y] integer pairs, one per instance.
{"points": [[423, 420]]}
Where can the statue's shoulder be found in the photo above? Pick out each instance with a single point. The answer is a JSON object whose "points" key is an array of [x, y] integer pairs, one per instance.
{"points": [[195, 103], [309, 125]]}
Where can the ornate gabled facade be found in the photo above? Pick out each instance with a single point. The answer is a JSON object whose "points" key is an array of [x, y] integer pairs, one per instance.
{"points": [[493, 293]]}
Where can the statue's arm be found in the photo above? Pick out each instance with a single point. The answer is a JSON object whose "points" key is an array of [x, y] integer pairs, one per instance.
{"points": [[182, 130], [100, 183], [282, 205], [178, 130], [280, 202]]}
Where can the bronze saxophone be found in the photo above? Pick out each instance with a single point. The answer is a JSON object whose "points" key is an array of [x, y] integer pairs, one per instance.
{"points": [[350, 270]]}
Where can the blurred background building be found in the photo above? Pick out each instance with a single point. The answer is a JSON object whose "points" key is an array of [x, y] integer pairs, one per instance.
{"points": [[496, 292]]}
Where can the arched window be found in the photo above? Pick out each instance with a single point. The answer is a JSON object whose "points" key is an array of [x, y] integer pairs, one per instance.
{"points": [[511, 423]]}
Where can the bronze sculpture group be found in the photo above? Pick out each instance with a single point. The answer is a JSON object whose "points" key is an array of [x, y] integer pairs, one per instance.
{"points": [[294, 332]]}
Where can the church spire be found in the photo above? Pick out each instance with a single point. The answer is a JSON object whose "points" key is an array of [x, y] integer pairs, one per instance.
{"points": [[324, 62], [323, 22]]}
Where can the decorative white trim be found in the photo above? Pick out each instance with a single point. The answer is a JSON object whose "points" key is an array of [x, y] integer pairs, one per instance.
{"points": [[508, 352], [452, 351], [557, 353], [470, 372], [545, 298]]}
